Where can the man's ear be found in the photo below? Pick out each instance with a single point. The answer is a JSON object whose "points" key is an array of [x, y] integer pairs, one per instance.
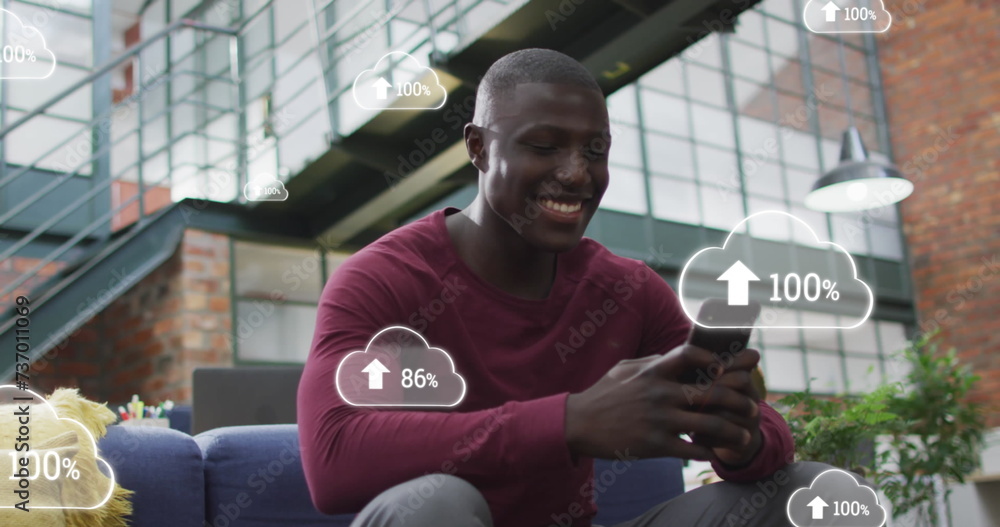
{"points": [[475, 145]]}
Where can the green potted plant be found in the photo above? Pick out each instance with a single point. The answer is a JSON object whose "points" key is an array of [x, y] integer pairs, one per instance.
{"points": [[927, 431]]}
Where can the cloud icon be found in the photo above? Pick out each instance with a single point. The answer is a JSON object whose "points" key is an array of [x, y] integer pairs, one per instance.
{"points": [[835, 499], [784, 277], [399, 368], [266, 188], [24, 44], [845, 16], [63, 470], [381, 89]]}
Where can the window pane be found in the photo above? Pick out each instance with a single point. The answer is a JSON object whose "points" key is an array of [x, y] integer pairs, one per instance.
{"points": [[783, 38], [625, 147], [750, 28], [825, 372], [273, 332], [769, 226], [23, 147], [799, 184], [783, 9], [626, 191], [799, 149], [863, 375], [68, 37], [763, 179], [722, 206], [749, 62], [820, 333], [779, 337], [674, 200], [266, 270], [668, 77], [707, 85], [783, 370], [665, 113], [886, 242], [787, 74], [816, 221], [849, 232], [759, 136], [754, 100], [707, 51], [892, 336], [669, 156], [621, 106], [718, 166], [712, 125], [861, 339]]}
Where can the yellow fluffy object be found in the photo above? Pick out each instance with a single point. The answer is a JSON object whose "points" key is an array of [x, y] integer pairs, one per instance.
{"points": [[69, 441]]}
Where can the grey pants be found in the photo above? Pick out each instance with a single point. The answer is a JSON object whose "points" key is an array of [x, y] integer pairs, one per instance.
{"points": [[758, 504]]}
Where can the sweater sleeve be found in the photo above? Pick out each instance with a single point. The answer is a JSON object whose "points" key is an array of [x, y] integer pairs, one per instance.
{"points": [[666, 326], [350, 454], [777, 450]]}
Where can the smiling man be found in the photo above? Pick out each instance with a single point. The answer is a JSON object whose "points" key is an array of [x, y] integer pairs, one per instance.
{"points": [[523, 284]]}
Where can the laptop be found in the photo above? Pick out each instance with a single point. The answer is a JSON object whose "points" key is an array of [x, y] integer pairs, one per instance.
{"points": [[252, 395]]}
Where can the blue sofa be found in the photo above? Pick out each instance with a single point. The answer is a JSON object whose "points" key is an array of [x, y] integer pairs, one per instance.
{"points": [[251, 476]]}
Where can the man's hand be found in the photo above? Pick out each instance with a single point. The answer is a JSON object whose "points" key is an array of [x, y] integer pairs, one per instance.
{"points": [[736, 377], [640, 405]]}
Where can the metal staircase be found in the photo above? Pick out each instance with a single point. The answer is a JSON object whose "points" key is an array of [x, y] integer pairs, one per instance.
{"points": [[339, 198]]}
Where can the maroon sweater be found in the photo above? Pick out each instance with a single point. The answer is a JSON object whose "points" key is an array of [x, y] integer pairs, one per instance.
{"points": [[520, 359]]}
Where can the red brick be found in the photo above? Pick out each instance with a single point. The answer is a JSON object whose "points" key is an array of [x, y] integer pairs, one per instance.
{"points": [[219, 304]]}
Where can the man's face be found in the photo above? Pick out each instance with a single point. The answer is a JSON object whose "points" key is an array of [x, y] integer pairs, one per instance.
{"points": [[545, 164]]}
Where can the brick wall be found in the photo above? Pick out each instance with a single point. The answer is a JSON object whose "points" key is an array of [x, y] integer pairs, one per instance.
{"points": [[149, 340], [942, 88]]}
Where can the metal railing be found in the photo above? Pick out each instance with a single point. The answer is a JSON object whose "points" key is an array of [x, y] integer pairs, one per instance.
{"points": [[335, 37], [104, 122]]}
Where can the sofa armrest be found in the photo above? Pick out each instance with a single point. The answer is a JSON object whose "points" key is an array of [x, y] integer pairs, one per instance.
{"points": [[254, 478], [164, 469]]}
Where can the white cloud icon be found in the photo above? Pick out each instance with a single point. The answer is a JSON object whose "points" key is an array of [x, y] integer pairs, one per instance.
{"points": [[373, 90], [266, 188], [23, 43], [399, 368], [58, 457], [785, 278], [845, 16]]}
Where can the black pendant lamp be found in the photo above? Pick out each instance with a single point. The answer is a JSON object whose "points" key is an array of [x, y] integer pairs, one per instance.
{"points": [[857, 183]]}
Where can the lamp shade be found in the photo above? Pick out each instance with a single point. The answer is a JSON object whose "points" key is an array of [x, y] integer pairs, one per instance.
{"points": [[857, 183]]}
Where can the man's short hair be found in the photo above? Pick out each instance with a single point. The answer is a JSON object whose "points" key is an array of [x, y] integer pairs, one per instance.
{"points": [[529, 66]]}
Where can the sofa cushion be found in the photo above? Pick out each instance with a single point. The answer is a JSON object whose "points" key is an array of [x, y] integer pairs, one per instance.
{"points": [[254, 479], [625, 489], [164, 469]]}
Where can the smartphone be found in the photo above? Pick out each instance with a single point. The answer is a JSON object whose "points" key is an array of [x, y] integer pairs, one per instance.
{"points": [[718, 312], [720, 340]]}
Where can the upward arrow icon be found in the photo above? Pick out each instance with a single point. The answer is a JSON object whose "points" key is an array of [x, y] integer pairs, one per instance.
{"points": [[817, 505], [375, 369], [831, 11], [739, 277], [381, 87]]}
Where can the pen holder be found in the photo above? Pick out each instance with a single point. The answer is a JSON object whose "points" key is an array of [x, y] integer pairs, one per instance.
{"points": [[159, 422]]}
